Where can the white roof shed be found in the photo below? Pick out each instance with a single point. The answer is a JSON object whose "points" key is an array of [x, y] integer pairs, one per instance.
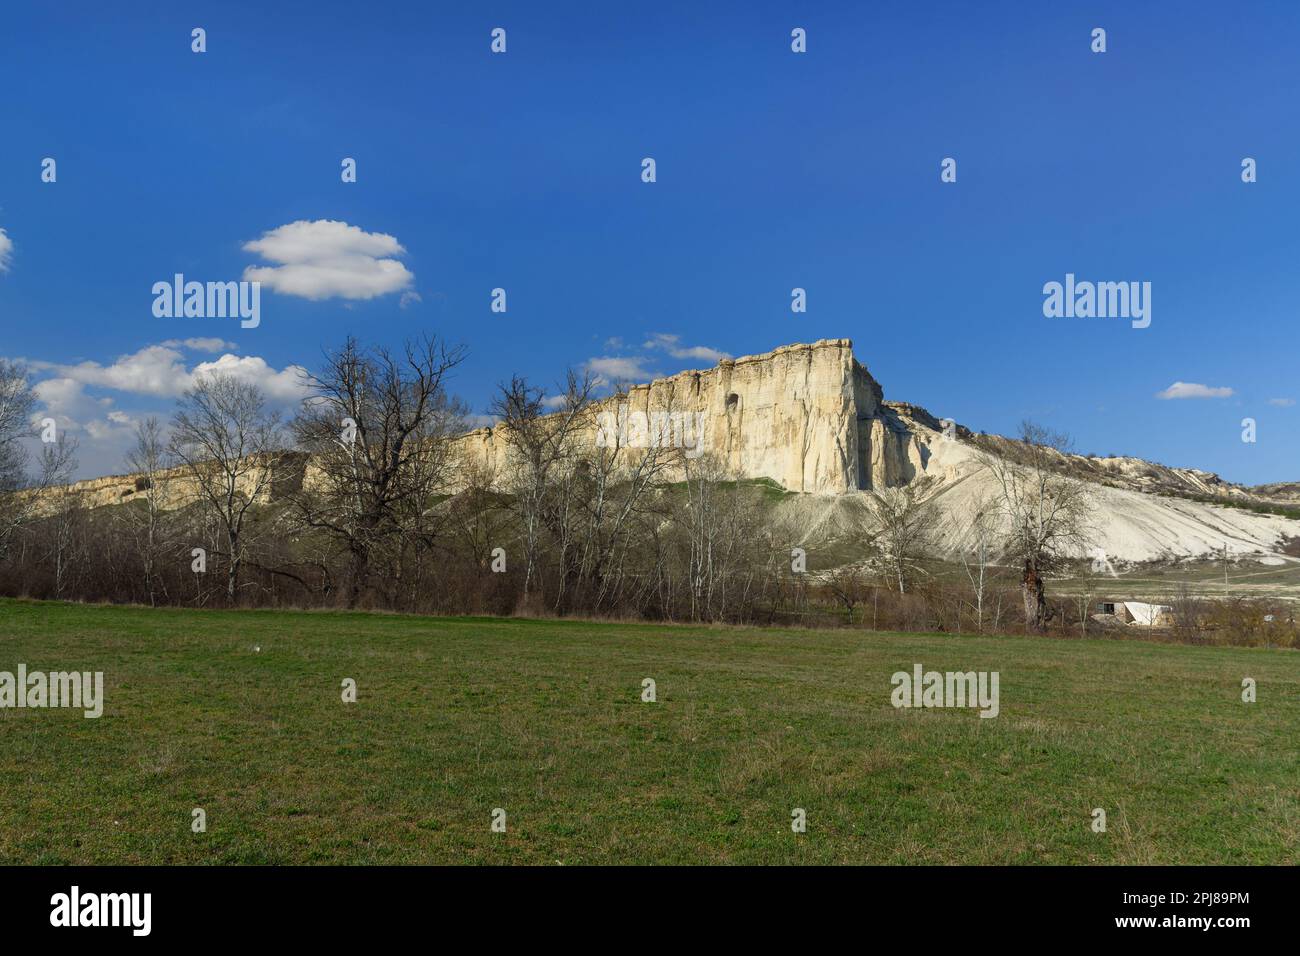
{"points": [[1145, 614]]}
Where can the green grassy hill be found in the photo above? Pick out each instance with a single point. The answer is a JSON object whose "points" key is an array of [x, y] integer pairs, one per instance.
{"points": [[240, 713]]}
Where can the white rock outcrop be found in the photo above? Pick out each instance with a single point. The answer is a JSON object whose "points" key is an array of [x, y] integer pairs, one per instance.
{"points": [[810, 417]]}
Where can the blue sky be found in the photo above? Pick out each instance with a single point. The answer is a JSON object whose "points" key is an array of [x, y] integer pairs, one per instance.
{"points": [[775, 170]]}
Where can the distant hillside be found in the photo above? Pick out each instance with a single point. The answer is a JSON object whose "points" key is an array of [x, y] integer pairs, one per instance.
{"points": [[1285, 492]]}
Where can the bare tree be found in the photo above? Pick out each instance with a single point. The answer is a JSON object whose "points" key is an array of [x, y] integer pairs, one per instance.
{"points": [[379, 427], [725, 540], [65, 514], [702, 521], [615, 480], [543, 448], [149, 521], [907, 518], [1044, 510], [227, 441], [1083, 601], [1188, 611], [16, 403], [847, 585], [978, 560]]}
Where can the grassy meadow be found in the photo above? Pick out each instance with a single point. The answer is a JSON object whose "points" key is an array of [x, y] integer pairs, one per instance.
{"points": [[240, 713]]}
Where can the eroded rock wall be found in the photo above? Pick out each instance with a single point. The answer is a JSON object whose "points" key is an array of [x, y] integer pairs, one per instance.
{"points": [[802, 415]]}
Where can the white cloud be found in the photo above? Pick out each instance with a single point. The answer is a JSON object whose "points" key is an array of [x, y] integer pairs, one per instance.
{"points": [[408, 297], [65, 400], [116, 429], [153, 370], [672, 345], [285, 385], [613, 369], [160, 370], [200, 344], [103, 433], [1282, 402], [67, 393], [328, 259], [609, 369], [1193, 390], [6, 250]]}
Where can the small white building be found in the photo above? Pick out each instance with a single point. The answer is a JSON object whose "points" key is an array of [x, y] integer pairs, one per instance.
{"points": [[1137, 612]]}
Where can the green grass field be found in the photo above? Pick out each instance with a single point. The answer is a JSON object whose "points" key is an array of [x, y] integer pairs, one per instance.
{"points": [[456, 717]]}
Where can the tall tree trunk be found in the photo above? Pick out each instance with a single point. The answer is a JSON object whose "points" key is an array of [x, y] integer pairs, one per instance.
{"points": [[232, 573], [1034, 592], [360, 569]]}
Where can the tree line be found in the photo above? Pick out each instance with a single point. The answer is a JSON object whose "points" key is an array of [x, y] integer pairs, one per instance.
{"points": [[396, 518]]}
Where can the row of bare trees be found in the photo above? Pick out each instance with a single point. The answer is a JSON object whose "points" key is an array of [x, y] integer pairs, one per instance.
{"points": [[364, 498], [19, 492]]}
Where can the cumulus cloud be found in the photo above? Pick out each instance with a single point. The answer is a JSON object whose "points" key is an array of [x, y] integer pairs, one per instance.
{"points": [[103, 433], [327, 259], [153, 370], [640, 368], [83, 397], [201, 344], [609, 369], [65, 400], [672, 344], [1282, 402], [286, 385], [1194, 390], [160, 370], [114, 428], [6, 250]]}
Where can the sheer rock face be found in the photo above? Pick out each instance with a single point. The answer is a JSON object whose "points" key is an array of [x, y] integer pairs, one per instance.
{"points": [[809, 417]]}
